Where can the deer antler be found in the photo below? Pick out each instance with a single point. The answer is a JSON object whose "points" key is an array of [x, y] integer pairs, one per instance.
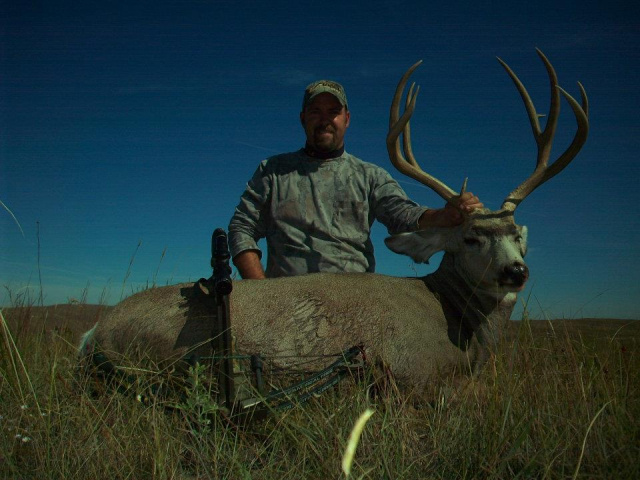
{"points": [[544, 138], [409, 166]]}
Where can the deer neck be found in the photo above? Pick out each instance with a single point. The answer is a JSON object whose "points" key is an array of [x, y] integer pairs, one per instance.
{"points": [[478, 312]]}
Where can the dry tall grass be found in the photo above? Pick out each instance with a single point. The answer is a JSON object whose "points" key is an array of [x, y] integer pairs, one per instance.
{"points": [[557, 401]]}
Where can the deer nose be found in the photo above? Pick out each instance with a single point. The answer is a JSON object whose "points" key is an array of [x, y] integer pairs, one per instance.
{"points": [[518, 273]]}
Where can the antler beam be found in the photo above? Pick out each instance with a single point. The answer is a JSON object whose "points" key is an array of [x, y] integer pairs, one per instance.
{"points": [[397, 125], [544, 138]]}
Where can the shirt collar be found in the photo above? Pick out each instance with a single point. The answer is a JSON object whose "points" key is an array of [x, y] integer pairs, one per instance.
{"points": [[323, 155]]}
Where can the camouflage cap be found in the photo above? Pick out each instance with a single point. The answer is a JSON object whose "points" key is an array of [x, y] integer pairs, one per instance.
{"points": [[324, 86]]}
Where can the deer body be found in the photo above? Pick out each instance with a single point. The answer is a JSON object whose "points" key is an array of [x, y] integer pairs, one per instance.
{"points": [[415, 327], [287, 319]]}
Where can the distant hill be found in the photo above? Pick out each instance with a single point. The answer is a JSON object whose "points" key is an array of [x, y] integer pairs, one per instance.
{"points": [[591, 330]]}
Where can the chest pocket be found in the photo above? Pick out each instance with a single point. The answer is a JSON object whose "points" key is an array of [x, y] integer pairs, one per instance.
{"points": [[351, 215]]}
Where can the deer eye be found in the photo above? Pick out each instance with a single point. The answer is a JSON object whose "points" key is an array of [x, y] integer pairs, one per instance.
{"points": [[472, 241]]}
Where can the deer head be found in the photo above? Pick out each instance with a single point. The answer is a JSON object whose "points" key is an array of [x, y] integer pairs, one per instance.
{"points": [[488, 247]]}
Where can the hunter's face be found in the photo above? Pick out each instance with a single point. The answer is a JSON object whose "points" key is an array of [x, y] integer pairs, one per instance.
{"points": [[325, 123]]}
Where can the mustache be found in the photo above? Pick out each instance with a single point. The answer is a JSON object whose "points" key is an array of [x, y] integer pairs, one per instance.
{"points": [[325, 128]]}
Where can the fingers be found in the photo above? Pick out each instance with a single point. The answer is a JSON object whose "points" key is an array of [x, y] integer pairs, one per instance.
{"points": [[453, 212], [467, 202]]}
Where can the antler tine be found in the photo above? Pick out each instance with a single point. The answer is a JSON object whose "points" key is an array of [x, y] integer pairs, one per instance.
{"points": [[544, 138], [406, 133], [582, 118], [409, 166]]}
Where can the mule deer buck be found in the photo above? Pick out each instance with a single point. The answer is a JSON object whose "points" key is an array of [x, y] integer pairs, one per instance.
{"points": [[415, 327]]}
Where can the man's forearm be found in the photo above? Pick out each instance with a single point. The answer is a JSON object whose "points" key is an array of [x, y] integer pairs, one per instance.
{"points": [[434, 217], [248, 265]]}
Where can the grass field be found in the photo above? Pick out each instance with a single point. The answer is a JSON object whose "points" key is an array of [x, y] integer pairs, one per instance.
{"points": [[560, 399]]}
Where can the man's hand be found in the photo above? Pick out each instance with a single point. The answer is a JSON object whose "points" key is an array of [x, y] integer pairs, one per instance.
{"points": [[452, 214]]}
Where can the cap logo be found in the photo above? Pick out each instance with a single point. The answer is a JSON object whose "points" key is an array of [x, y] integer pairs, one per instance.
{"points": [[327, 83], [324, 86]]}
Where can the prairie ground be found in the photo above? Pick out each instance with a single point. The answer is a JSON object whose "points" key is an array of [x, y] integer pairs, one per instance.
{"points": [[559, 399]]}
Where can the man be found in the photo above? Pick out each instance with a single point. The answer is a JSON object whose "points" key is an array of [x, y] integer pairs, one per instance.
{"points": [[316, 206]]}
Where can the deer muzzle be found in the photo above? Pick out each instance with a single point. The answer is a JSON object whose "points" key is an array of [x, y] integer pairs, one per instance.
{"points": [[516, 274]]}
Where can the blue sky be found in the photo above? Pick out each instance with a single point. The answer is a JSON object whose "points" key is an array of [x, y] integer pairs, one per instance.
{"points": [[129, 129]]}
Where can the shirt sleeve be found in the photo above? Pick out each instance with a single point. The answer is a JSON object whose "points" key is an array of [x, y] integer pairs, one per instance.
{"points": [[249, 222], [391, 205]]}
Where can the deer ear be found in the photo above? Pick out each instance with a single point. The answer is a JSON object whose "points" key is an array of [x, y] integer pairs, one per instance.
{"points": [[420, 245]]}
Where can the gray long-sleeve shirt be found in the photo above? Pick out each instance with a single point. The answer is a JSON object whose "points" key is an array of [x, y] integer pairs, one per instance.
{"points": [[317, 214]]}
